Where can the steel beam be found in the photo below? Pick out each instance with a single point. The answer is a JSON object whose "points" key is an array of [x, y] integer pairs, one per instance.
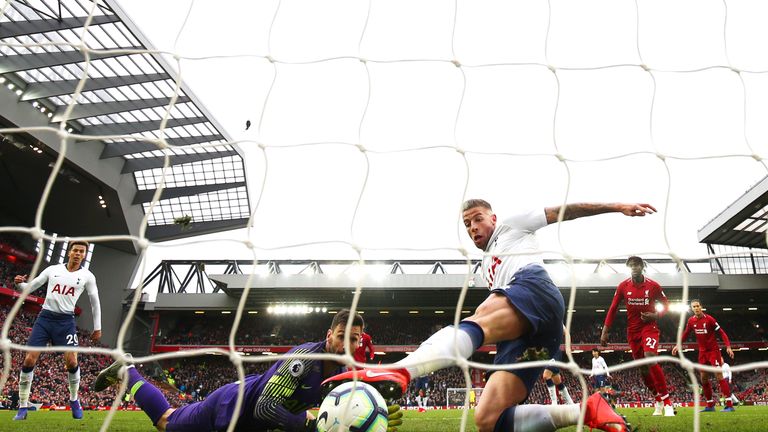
{"points": [[16, 63], [42, 90], [133, 165], [140, 126], [145, 196], [96, 109], [26, 28], [117, 149]]}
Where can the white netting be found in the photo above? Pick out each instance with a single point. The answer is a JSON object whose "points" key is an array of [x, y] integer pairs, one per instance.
{"points": [[455, 397], [528, 67]]}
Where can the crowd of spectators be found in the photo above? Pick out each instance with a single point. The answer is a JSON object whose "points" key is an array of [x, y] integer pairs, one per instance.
{"points": [[50, 386], [389, 330], [9, 268]]}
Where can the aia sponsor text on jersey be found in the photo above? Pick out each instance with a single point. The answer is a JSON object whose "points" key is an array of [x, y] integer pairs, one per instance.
{"points": [[63, 290]]}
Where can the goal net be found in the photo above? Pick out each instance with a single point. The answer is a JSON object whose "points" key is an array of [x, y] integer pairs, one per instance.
{"points": [[371, 122], [462, 397]]}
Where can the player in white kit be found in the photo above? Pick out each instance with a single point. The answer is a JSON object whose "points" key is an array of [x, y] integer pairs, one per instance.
{"points": [[56, 322], [728, 375]]}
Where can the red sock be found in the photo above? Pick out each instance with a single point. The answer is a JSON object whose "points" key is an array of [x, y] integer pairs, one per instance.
{"points": [[725, 390], [708, 393], [661, 383], [651, 384]]}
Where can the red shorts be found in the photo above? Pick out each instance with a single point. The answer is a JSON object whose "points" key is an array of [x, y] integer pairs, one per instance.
{"points": [[711, 358], [645, 340]]}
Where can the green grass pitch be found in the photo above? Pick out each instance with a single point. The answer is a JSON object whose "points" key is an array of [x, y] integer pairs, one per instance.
{"points": [[745, 419]]}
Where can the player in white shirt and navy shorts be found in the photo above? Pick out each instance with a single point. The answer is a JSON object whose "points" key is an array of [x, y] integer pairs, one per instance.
{"points": [[523, 316], [56, 322]]}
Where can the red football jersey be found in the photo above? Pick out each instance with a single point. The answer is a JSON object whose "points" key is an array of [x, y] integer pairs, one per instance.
{"points": [[365, 343], [639, 298], [705, 329]]}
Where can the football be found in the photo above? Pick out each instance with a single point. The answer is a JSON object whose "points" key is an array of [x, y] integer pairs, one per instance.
{"points": [[355, 407]]}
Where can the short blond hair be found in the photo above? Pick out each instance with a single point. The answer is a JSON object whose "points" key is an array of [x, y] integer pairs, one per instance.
{"points": [[476, 202]]}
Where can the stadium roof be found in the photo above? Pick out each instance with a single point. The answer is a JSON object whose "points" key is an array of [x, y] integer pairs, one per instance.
{"points": [[743, 223], [116, 120]]}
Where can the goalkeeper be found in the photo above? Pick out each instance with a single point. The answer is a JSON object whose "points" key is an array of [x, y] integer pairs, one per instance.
{"points": [[277, 399]]}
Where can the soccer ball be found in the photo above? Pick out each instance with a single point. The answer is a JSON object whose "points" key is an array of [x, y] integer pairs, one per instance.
{"points": [[354, 407]]}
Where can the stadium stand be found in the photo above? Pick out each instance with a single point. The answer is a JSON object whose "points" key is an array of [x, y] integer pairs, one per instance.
{"points": [[190, 379]]}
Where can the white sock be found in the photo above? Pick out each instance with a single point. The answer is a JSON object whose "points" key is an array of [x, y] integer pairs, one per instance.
{"points": [[552, 395], [25, 385], [545, 418], [734, 399], [74, 384], [566, 396], [433, 354]]}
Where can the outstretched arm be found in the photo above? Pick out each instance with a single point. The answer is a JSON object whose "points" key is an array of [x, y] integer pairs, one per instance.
{"points": [[686, 332], [577, 210], [617, 297]]}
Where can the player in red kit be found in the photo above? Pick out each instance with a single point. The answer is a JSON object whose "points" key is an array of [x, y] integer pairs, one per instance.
{"points": [[640, 295], [366, 344], [705, 327]]}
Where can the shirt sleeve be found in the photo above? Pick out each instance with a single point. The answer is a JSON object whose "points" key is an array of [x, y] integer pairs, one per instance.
{"points": [[38, 281], [93, 296], [687, 331], [723, 336], [528, 221], [369, 344], [614, 305], [281, 385], [605, 366]]}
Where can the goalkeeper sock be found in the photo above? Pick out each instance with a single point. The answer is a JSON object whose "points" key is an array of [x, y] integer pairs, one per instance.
{"points": [[25, 385], [440, 350], [148, 397], [73, 376], [537, 418]]}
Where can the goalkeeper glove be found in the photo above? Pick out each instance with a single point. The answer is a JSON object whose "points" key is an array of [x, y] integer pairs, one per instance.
{"points": [[394, 417]]}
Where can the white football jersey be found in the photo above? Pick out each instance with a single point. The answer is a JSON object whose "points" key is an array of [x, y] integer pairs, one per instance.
{"points": [[599, 367], [512, 235], [65, 287]]}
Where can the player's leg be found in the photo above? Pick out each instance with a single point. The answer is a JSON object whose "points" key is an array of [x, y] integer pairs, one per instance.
{"points": [[73, 380], [706, 386], [650, 342], [725, 391], [26, 376], [548, 375], [499, 410], [507, 314], [148, 397], [657, 375], [559, 382], [495, 314], [39, 337], [64, 333], [496, 319], [636, 345]]}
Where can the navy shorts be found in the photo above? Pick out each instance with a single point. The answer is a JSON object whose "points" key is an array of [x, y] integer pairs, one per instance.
{"points": [[534, 294], [57, 328], [600, 381], [554, 369]]}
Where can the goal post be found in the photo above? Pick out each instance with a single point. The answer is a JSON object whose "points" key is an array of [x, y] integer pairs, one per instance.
{"points": [[456, 396]]}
